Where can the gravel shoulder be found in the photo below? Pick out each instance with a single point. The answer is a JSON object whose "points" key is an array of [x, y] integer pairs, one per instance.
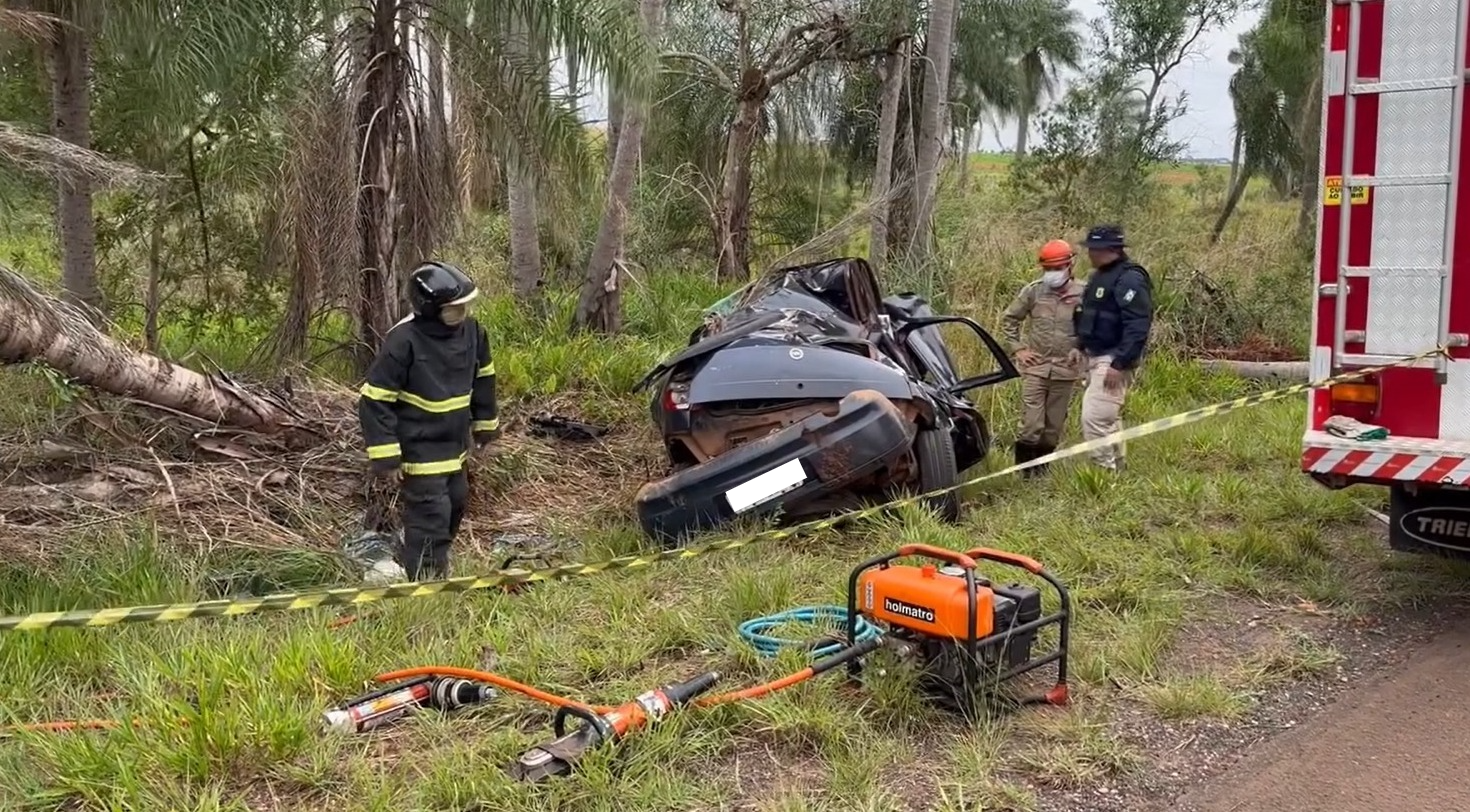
{"points": [[1398, 740]]}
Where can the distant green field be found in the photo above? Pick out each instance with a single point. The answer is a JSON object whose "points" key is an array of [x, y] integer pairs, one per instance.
{"points": [[1182, 174]]}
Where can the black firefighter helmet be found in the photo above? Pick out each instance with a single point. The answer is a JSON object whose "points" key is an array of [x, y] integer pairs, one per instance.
{"points": [[435, 285]]}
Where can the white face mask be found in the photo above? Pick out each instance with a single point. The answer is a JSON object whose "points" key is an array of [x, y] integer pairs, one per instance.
{"points": [[1055, 279]]}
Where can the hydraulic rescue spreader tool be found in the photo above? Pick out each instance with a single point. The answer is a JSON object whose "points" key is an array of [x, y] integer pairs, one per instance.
{"points": [[604, 726], [965, 633], [557, 757]]}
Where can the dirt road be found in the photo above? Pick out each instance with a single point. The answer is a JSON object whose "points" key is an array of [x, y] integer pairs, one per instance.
{"points": [[1399, 741]]}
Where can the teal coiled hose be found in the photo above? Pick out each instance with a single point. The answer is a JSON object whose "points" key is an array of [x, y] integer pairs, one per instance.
{"points": [[754, 631]]}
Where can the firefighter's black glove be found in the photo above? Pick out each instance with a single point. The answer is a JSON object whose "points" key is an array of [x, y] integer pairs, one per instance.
{"points": [[485, 438], [386, 472]]}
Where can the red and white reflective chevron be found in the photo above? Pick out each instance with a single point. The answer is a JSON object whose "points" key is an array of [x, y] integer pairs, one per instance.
{"points": [[1378, 462]]}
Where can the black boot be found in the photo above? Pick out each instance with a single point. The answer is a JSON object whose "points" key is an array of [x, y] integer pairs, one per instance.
{"points": [[1042, 451], [1026, 452], [437, 567], [413, 557]]}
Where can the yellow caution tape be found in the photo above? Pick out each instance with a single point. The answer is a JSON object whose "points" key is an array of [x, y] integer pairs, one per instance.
{"points": [[163, 613]]}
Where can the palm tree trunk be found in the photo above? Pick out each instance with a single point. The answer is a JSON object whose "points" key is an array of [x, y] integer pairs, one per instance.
{"points": [[1237, 190], [614, 126], [735, 191], [936, 80], [151, 299], [895, 68], [600, 307], [902, 208], [377, 111], [1311, 130], [1023, 129], [71, 121], [967, 141], [37, 327], [525, 238], [1235, 157]]}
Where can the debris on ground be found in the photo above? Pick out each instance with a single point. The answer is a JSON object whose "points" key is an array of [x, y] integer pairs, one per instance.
{"points": [[376, 553], [558, 427], [108, 462]]}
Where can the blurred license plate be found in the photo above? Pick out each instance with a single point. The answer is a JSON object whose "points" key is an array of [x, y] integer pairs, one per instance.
{"points": [[767, 486]]}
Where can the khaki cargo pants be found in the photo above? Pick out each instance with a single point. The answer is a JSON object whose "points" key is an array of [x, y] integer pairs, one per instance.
{"points": [[1102, 410], [1044, 405]]}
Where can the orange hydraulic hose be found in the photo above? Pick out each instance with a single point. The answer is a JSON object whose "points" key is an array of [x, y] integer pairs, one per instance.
{"points": [[752, 692], [494, 679], [755, 691], [63, 726]]}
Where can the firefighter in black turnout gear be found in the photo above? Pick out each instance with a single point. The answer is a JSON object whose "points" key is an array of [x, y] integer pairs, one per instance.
{"points": [[1113, 322], [429, 393]]}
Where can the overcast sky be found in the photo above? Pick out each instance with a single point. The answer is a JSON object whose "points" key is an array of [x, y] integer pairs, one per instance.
{"points": [[1207, 125]]}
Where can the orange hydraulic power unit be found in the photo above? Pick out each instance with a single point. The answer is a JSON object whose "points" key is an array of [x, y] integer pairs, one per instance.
{"points": [[966, 632]]}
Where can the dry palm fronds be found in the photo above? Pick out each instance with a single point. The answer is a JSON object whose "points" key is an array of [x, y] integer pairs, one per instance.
{"points": [[118, 460], [60, 160], [31, 26]]}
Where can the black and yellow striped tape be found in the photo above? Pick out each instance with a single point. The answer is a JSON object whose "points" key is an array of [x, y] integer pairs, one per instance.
{"points": [[163, 613]]}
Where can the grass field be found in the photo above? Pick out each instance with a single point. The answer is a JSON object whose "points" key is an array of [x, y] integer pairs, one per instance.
{"points": [[1209, 522]]}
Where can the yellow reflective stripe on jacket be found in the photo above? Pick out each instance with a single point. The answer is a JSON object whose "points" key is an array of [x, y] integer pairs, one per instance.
{"points": [[383, 452], [378, 393], [486, 370], [453, 404], [485, 425], [432, 468]]}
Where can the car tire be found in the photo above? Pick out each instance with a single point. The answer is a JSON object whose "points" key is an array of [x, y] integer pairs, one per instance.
{"points": [[934, 449]]}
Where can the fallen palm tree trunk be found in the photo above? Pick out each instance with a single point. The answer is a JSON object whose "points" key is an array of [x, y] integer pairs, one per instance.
{"points": [[1260, 370], [35, 326]]}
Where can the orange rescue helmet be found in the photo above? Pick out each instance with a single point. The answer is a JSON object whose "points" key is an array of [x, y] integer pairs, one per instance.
{"points": [[1055, 254]]}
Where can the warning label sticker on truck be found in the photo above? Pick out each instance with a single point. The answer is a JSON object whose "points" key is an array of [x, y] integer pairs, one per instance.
{"points": [[1332, 192]]}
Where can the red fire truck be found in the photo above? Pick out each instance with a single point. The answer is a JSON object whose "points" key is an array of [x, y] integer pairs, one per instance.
{"points": [[1393, 264]]}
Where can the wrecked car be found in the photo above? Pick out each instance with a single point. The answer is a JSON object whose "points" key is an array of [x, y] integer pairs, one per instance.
{"points": [[809, 393]]}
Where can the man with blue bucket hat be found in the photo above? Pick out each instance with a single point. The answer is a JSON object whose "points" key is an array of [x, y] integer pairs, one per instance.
{"points": [[1113, 322]]}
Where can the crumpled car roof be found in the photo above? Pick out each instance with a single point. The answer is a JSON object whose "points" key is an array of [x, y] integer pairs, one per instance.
{"points": [[820, 302], [835, 297]]}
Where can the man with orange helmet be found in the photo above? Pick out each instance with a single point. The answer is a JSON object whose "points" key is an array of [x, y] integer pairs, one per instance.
{"points": [[1046, 355]]}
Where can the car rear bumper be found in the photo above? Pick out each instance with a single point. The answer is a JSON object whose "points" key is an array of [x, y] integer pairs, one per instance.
{"points": [[819, 455]]}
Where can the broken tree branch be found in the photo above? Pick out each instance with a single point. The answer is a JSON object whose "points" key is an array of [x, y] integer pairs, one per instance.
{"points": [[1260, 370], [35, 326]]}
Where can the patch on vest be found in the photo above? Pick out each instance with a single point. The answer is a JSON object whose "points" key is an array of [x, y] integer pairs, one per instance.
{"points": [[1100, 293], [1128, 297]]}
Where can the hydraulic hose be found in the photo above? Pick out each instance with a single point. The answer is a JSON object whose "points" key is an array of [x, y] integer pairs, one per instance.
{"points": [[868, 644], [754, 631], [492, 678]]}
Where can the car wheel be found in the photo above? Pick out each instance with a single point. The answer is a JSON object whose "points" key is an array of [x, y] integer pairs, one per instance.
{"points": [[937, 469]]}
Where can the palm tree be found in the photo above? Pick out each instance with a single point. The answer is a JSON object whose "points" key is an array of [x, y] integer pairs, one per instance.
{"points": [[394, 113], [1276, 95], [599, 307], [1048, 35], [938, 52], [1267, 144], [64, 29]]}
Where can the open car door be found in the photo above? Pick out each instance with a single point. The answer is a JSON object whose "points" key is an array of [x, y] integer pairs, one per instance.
{"points": [[917, 332]]}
